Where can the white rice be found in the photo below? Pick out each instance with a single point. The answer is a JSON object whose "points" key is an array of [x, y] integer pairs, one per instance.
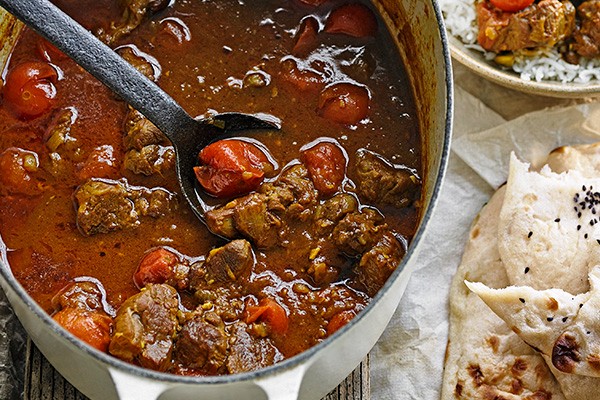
{"points": [[461, 21]]}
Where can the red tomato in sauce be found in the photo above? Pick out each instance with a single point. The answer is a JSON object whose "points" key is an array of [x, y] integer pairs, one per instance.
{"points": [[305, 79], [511, 5], [90, 326], [326, 166], [156, 267], [231, 167], [352, 19], [269, 311], [49, 52], [17, 172], [338, 320], [345, 103], [29, 89], [306, 39]]}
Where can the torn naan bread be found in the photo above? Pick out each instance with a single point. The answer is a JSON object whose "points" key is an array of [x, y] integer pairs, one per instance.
{"points": [[549, 228], [484, 358]]}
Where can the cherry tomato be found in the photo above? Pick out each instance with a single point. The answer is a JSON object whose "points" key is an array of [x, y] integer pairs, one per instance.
{"points": [[326, 166], [89, 326], [17, 169], [511, 5], [345, 103], [304, 79], [49, 52], [231, 167], [306, 40], [338, 320], [269, 311], [352, 19], [155, 267], [29, 90], [101, 163]]}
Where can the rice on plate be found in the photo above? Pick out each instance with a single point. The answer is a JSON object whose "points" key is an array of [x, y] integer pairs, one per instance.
{"points": [[544, 65]]}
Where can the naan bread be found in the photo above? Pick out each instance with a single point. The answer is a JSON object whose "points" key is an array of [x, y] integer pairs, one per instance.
{"points": [[484, 358], [549, 229], [584, 158]]}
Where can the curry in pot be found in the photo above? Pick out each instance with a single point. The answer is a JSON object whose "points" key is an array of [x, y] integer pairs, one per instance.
{"points": [[306, 224]]}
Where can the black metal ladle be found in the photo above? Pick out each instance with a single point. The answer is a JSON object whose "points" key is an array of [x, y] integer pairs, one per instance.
{"points": [[188, 135]]}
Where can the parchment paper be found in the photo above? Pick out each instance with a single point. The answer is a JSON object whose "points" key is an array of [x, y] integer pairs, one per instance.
{"points": [[490, 121]]}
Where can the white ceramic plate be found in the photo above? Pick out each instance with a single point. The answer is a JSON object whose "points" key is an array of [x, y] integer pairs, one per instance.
{"points": [[476, 62]]}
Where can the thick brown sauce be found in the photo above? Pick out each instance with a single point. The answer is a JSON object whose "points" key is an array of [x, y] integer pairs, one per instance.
{"points": [[228, 38]]}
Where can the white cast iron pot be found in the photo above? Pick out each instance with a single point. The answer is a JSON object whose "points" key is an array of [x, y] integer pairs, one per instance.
{"points": [[417, 28]]}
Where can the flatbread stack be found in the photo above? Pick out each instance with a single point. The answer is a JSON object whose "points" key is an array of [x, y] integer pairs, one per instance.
{"points": [[525, 301]]}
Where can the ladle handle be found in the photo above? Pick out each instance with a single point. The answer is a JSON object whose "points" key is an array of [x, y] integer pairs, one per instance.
{"points": [[102, 62]]}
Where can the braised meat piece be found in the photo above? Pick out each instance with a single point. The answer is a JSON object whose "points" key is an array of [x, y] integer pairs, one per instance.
{"points": [[151, 159], [148, 150], [83, 294], [260, 216], [332, 210], [380, 183], [202, 343], [145, 326], [107, 205], [377, 264], [358, 231], [134, 13], [586, 39], [143, 62], [224, 264], [249, 353], [544, 23], [253, 221]]}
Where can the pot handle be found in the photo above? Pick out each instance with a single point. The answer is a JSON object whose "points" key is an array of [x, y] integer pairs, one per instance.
{"points": [[138, 388], [283, 386]]}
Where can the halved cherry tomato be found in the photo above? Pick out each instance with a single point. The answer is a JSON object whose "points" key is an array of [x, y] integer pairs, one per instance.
{"points": [[90, 326], [338, 320], [306, 39], [345, 103], [269, 311], [29, 89], [326, 166], [511, 5], [352, 19], [304, 79], [231, 167], [49, 52], [155, 267]]}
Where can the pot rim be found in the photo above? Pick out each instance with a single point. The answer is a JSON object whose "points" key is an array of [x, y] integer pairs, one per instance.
{"points": [[301, 358]]}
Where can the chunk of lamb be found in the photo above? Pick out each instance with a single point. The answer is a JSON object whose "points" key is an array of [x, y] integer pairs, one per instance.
{"points": [[259, 217], [223, 264], [106, 205], [380, 183], [378, 263], [134, 13], [202, 343], [145, 326], [148, 150], [358, 231], [586, 39], [249, 353], [246, 216], [542, 24], [332, 210]]}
